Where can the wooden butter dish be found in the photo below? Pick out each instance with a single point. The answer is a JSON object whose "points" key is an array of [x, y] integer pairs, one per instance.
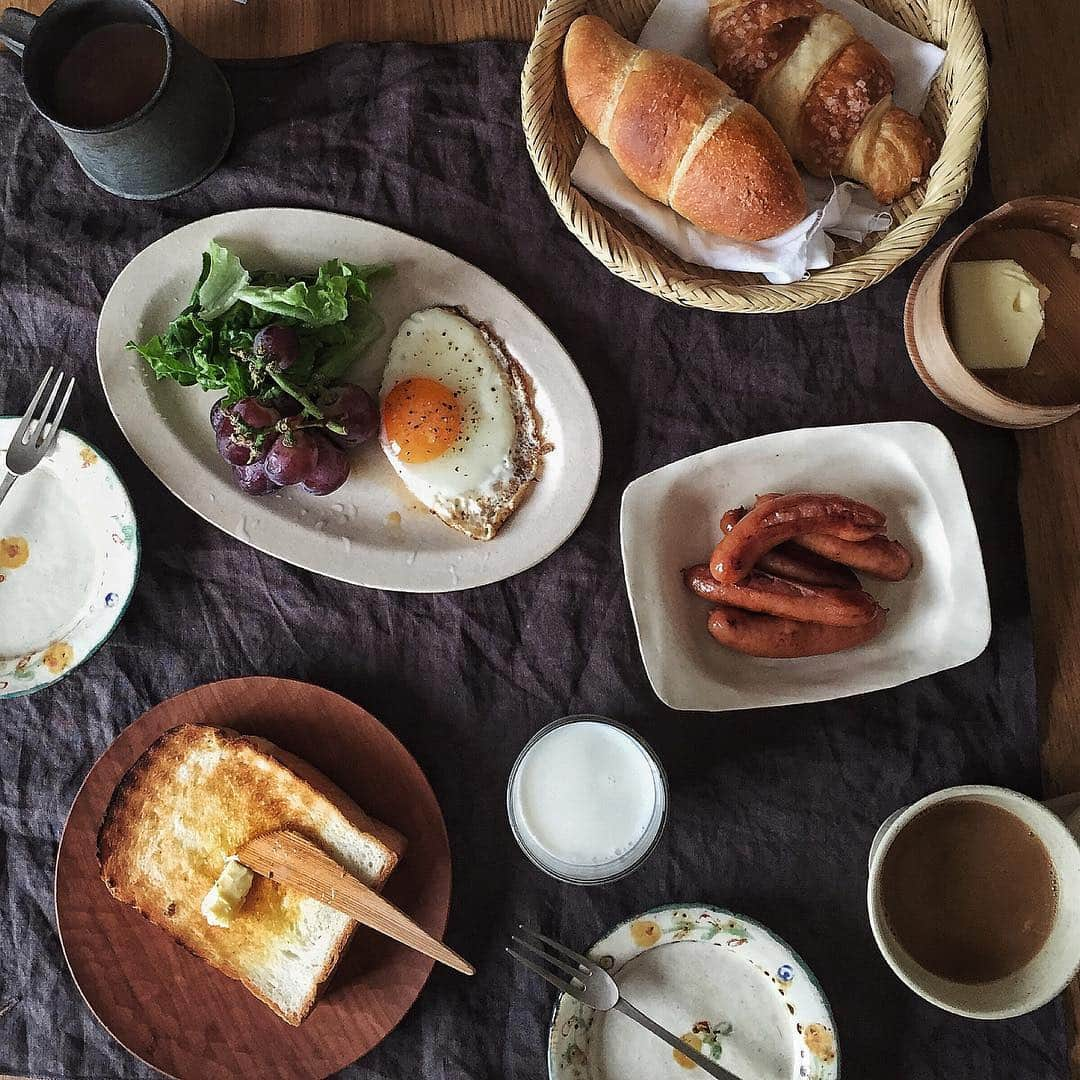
{"points": [[1039, 232]]}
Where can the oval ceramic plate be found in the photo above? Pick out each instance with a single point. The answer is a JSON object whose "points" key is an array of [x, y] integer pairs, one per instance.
{"points": [[370, 531], [69, 557], [173, 1010], [722, 982]]}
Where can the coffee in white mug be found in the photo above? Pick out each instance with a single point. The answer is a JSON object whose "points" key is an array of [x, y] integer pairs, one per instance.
{"points": [[969, 891], [974, 900]]}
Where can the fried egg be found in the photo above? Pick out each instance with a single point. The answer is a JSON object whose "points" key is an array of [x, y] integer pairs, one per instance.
{"points": [[458, 422]]}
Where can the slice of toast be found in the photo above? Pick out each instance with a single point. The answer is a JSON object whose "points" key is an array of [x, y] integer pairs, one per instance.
{"points": [[187, 804]]}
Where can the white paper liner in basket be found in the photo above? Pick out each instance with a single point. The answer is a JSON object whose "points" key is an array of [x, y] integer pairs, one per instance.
{"points": [[845, 209]]}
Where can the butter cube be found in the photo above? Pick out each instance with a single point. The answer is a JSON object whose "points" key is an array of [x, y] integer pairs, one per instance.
{"points": [[995, 313], [228, 893]]}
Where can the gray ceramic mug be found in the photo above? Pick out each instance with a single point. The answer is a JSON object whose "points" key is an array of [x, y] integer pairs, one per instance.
{"points": [[169, 144]]}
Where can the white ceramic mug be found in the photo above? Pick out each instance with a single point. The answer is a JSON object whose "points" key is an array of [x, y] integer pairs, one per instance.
{"points": [[1049, 972]]}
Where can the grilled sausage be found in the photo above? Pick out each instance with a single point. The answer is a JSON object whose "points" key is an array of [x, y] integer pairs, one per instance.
{"points": [[766, 635], [773, 521], [796, 564], [786, 599], [879, 557]]}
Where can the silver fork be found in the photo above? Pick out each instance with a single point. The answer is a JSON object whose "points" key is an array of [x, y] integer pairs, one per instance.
{"points": [[590, 984], [36, 436]]}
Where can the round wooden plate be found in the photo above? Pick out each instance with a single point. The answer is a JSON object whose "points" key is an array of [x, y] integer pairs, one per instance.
{"points": [[173, 1010]]}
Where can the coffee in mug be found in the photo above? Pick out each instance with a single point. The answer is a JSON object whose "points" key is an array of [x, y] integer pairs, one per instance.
{"points": [[974, 900], [969, 891], [107, 75], [145, 114]]}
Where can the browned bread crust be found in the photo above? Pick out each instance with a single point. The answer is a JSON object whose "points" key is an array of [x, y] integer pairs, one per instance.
{"points": [[749, 41], [838, 103], [730, 186], [897, 158], [243, 800], [605, 56], [835, 110], [680, 135], [664, 102], [390, 838]]}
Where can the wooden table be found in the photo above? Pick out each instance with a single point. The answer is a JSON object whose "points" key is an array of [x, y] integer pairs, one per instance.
{"points": [[1034, 143]]}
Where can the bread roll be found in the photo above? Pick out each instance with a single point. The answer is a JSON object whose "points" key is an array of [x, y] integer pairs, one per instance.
{"points": [[827, 91], [680, 135]]}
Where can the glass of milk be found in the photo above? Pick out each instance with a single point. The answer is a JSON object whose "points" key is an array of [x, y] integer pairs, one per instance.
{"points": [[587, 800]]}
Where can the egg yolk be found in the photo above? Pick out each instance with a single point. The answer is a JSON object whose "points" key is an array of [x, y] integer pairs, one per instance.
{"points": [[421, 419]]}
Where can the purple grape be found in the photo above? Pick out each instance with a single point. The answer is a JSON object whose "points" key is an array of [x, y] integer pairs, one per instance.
{"points": [[253, 479], [278, 346], [218, 413], [291, 457], [331, 468], [353, 407], [285, 404], [239, 449], [235, 453], [255, 413]]}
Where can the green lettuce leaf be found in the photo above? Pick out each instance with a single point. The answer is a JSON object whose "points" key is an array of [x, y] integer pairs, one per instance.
{"points": [[165, 362], [211, 342], [322, 302], [344, 343], [192, 352], [223, 280]]}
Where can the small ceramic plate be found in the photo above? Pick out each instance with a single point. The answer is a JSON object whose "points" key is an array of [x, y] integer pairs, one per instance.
{"points": [[69, 557], [371, 531], [724, 983], [938, 618]]}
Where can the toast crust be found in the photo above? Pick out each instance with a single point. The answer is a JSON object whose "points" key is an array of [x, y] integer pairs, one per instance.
{"points": [[263, 788]]}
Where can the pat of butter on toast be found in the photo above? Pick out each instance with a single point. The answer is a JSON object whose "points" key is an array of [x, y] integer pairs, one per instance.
{"points": [[227, 894], [192, 799], [995, 313]]}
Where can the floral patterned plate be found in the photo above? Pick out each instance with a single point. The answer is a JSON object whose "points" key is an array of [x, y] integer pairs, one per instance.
{"points": [[69, 557], [728, 986]]}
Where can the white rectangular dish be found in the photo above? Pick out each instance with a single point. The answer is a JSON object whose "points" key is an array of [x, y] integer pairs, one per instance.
{"points": [[939, 617]]}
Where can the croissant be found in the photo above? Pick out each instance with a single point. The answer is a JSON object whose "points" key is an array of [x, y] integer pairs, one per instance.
{"points": [[827, 91], [680, 135]]}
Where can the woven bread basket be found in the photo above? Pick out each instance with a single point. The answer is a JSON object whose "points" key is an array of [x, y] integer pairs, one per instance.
{"points": [[954, 115]]}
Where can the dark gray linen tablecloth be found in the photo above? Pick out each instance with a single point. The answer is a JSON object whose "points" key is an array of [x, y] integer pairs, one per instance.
{"points": [[772, 811]]}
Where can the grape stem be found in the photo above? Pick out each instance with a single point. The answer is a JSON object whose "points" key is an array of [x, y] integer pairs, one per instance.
{"points": [[298, 423], [245, 435], [309, 406]]}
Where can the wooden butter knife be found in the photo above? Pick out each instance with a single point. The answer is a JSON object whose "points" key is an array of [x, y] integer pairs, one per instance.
{"points": [[290, 859]]}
